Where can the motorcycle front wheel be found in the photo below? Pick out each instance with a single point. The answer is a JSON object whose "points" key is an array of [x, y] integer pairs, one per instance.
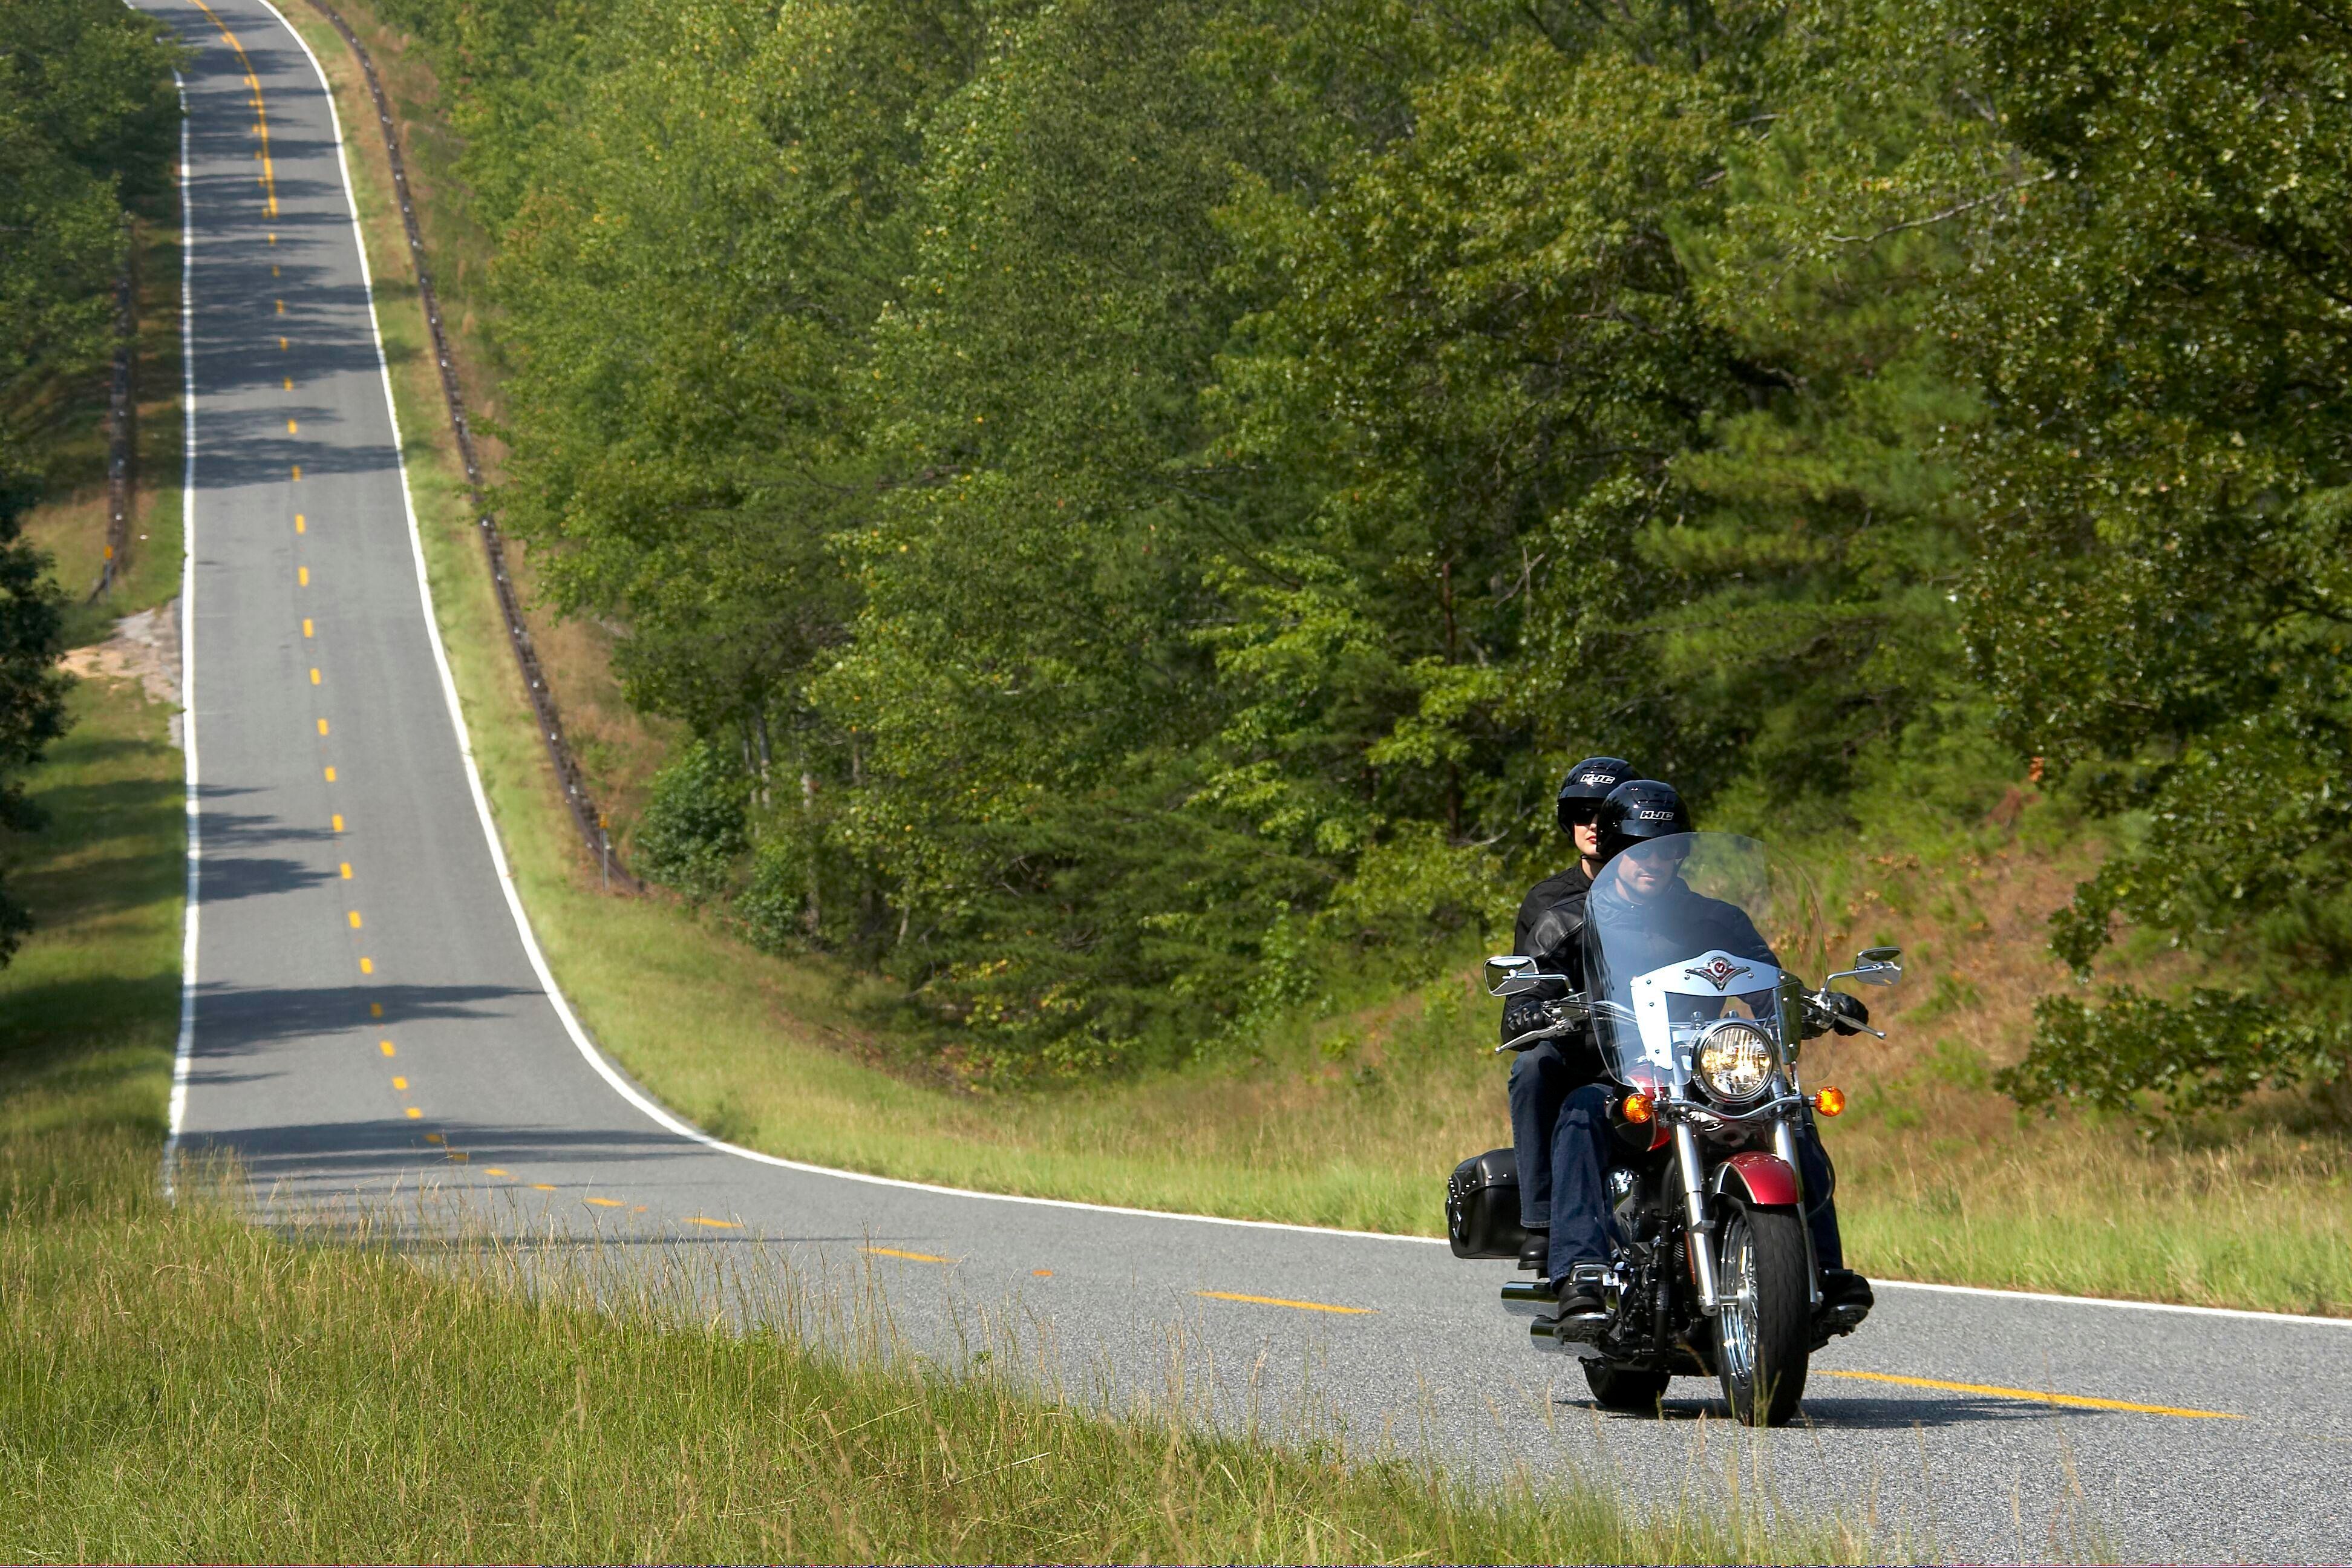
{"points": [[1763, 1331]]}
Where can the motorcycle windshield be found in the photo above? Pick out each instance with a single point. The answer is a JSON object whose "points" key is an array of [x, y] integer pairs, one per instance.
{"points": [[1674, 943]]}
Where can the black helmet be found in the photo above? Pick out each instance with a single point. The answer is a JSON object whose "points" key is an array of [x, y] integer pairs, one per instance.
{"points": [[1640, 809], [1587, 785]]}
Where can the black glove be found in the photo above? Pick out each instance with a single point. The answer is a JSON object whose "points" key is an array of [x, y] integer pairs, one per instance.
{"points": [[1850, 1013], [1525, 1013]]}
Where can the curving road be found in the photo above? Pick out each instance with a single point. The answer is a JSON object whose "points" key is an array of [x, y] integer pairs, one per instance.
{"points": [[367, 1012]]}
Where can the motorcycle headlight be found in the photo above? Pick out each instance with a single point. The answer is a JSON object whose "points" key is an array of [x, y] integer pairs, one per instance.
{"points": [[1735, 1061]]}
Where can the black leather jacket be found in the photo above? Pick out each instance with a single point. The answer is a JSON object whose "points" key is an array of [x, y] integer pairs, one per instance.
{"points": [[1551, 929]]}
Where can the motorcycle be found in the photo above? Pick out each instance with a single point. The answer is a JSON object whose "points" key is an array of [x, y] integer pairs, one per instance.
{"points": [[1699, 1030]]}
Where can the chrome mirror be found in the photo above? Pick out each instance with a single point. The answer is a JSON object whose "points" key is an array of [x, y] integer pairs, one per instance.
{"points": [[1508, 976], [1872, 966]]}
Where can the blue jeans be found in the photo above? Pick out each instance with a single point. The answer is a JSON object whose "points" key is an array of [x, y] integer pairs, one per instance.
{"points": [[1540, 1082], [1582, 1150]]}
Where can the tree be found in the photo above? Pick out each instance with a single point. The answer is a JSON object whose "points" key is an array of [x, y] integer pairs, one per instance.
{"points": [[87, 118], [2165, 603], [32, 689]]}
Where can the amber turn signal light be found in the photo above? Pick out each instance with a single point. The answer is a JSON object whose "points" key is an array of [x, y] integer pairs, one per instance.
{"points": [[1637, 1108], [1830, 1101]]}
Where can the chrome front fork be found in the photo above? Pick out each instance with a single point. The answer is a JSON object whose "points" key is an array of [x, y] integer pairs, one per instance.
{"points": [[1701, 1228], [1784, 1143]]}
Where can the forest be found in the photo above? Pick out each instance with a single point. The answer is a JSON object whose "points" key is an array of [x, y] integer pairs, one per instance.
{"points": [[1128, 506], [88, 120]]}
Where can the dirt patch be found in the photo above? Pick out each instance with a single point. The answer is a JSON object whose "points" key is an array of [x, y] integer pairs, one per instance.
{"points": [[145, 647]]}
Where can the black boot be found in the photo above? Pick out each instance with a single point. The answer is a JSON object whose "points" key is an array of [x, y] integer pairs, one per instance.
{"points": [[1574, 1301], [1846, 1300], [1536, 1250], [1579, 1291]]}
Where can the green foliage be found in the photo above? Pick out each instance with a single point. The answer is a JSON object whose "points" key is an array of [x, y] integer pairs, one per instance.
{"points": [[2161, 604], [1145, 498], [88, 120], [693, 830], [32, 689], [2136, 1054]]}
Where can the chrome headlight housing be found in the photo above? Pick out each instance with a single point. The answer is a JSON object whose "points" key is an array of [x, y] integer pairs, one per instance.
{"points": [[1735, 1061]]}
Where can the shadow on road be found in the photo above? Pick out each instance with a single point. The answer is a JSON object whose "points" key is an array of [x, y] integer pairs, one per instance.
{"points": [[1864, 1413]]}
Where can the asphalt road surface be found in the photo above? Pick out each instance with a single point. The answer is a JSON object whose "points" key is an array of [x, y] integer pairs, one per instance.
{"points": [[368, 1016]]}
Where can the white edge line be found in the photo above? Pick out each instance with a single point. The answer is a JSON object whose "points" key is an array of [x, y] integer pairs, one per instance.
{"points": [[571, 1025], [2114, 1301], [652, 1109], [186, 1045]]}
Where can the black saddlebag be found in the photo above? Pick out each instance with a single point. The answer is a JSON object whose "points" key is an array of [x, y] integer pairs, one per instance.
{"points": [[1482, 1206]]}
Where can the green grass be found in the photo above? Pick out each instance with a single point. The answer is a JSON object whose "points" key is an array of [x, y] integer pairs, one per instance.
{"points": [[89, 1007], [178, 1387], [1354, 1118]]}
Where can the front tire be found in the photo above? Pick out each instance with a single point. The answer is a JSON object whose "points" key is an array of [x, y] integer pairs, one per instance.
{"points": [[1625, 1387], [1763, 1335]]}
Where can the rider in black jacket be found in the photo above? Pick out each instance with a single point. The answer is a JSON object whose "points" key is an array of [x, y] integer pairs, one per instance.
{"points": [[1551, 929], [1638, 811]]}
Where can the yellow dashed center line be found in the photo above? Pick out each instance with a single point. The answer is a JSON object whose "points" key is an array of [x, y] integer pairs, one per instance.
{"points": [[297, 472], [415, 1114], [338, 822], [331, 776], [302, 576], [400, 1083], [495, 1171], [385, 1046], [375, 1009], [322, 726], [355, 920], [291, 428], [301, 526], [542, 1186], [367, 966], [714, 1224], [2074, 1401], [314, 669], [346, 870], [434, 1138], [606, 1203], [1278, 1301], [909, 1257], [307, 630]]}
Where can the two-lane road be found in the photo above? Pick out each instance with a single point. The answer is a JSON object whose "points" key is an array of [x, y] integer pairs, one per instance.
{"points": [[368, 1011]]}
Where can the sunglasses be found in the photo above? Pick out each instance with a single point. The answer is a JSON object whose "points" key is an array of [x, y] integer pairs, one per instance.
{"points": [[1659, 855]]}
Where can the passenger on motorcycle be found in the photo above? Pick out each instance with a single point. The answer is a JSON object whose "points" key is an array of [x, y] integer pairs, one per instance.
{"points": [[1551, 929], [1635, 878]]}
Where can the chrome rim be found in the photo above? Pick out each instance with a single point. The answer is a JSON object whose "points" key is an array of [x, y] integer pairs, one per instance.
{"points": [[1735, 1320]]}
